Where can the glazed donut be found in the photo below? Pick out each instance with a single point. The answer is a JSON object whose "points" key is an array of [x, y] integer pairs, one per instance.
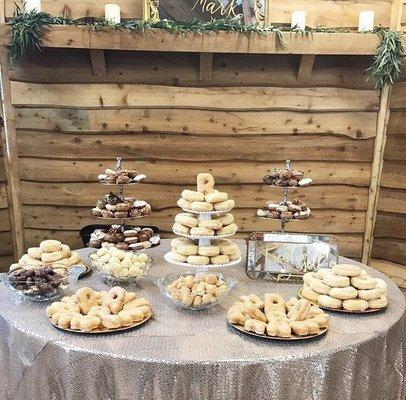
{"points": [[228, 249], [178, 228], [220, 259], [98, 311], [209, 251], [201, 206], [111, 321], [347, 269], [34, 252], [198, 260], [49, 246], [363, 283], [299, 311], [187, 220], [300, 328], [312, 326], [89, 323], [309, 294], [191, 196], [216, 197], [225, 219], [201, 231], [86, 299], [187, 249], [369, 294], [224, 205], [252, 325], [382, 302], [355, 305], [322, 272], [343, 293], [329, 302], [308, 276], [322, 320], [182, 203], [318, 286], [273, 302], [211, 224], [178, 257], [205, 183], [227, 230], [382, 285], [334, 280]]}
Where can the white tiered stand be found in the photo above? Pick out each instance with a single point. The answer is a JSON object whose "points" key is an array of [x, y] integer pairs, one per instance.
{"points": [[203, 241]]}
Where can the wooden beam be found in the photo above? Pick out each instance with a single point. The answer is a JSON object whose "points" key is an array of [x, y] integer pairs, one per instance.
{"points": [[81, 37], [376, 171], [206, 67], [10, 158], [98, 63], [305, 67]]}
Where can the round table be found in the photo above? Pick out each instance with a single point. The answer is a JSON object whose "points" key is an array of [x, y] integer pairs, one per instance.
{"points": [[181, 354]]}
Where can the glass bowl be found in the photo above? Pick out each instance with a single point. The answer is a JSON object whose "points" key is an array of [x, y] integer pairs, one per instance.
{"points": [[163, 283], [34, 294], [112, 280]]}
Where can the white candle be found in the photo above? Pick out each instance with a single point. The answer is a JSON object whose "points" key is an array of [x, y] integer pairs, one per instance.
{"points": [[366, 21], [298, 20], [32, 5], [112, 13]]}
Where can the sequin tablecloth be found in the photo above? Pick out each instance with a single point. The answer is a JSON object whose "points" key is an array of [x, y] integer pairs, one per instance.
{"points": [[195, 355]]}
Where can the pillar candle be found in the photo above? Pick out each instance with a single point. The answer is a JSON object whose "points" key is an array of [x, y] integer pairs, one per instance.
{"points": [[32, 5], [112, 13], [298, 20], [366, 21]]}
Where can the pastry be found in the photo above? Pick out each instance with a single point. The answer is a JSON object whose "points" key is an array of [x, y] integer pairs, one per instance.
{"points": [[355, 305], [178, 228], [201, 206], [220, 259], [192, 196], [334, 280], [287, 177], [209, 251], [186, 219], [216, 197], [49, 246], [201, 231], [369, 294], [205, 183], [198, 260], [210, 224], [225, 219], [184, 204], [295, 209], [347, 270], [319, 286], [310, 294], [225, 205], [343, 293], [381, 302], [34, 252], [363, 282], [187, 249], [227, 230], [329, 302]]}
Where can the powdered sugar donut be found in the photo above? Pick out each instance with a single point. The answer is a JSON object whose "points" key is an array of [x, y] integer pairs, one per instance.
{"points": [[221, 259], [201, 231], [225, 219], [355, 305], [329, 302], [365, 282], [178, 257], [369, 294], [187, 249], [187, 219], [209, 251], [322, 272], [216, 197], [227, 230], [347, 269], [182, 203], [198, 260], [210, 224], [309, 294], [343, 293], [382, 285], [224, 205], [179, 228], [381, 302], [191, 196], [318, 286], [201, 206], [334, 280]]}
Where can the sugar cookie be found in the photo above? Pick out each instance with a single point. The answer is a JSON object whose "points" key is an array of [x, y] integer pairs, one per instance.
{"points": [[363, 282], [329, 302], [381, 302], [198, 260], [343, 293], [347, 269], [355, 305], [191, 196], [201, 206], [224, 205], [216, 197], [209, 251], [221, 259], [187, 220], [334, 280]]}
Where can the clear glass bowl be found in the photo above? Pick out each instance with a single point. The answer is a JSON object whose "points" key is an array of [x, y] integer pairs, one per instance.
{"points": [[163, 283], [112, 280], [71, 279]]}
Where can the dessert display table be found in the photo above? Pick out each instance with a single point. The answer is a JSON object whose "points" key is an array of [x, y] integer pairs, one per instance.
{"points": [[196, 355]]}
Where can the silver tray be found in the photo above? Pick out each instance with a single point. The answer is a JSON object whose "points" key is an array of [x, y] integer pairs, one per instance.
{"points": [[286, 257]]}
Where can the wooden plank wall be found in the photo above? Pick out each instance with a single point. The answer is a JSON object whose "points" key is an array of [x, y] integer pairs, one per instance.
{"points": [[152, 109], [389, 247]]}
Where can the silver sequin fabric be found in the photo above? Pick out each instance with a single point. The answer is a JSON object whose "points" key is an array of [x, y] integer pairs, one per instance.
{"points": [[180, 354]]}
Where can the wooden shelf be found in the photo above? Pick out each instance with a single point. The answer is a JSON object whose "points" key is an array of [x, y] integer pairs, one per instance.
{"points": [[221, 42]]}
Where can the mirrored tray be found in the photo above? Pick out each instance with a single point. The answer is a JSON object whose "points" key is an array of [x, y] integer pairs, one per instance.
{"points": [[289, 339], [103, 330]]}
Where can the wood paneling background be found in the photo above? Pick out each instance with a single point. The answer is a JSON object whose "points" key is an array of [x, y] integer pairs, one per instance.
{"points": [[152, 109], [389, 247]]}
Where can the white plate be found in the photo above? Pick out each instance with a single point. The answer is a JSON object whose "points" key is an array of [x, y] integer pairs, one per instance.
{"points": [[167, 257]]}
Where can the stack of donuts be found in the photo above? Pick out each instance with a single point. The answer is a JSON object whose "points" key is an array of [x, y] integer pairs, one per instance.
{"points": [[206, 198], [275, 317], [219, 225], [219, 252], [345, 286], [88, 310]]}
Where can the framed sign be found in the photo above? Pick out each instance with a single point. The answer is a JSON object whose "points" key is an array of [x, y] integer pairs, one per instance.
{"points": [[245, 11], [282, 257]]}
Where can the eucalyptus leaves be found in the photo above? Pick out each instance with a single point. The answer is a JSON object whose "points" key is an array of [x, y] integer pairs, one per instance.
{"points": [[28, 29]]}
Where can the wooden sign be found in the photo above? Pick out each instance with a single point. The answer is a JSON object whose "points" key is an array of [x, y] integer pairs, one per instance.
{"points": [[244, 11]]}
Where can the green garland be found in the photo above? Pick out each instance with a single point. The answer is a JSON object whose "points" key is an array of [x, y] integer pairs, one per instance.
{"points": [[29, 28]]}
